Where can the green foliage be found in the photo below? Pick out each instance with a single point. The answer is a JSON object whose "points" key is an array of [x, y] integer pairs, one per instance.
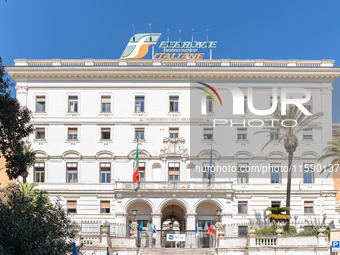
{"points": [[32, 225], [14, 128], [312, 232], [332, 151], [266, 231], [276, 214], [270, 231], [327, 232]]}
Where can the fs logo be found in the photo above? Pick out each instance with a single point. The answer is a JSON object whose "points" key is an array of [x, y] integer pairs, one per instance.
{"points": [[139, 44], [238, 100]]}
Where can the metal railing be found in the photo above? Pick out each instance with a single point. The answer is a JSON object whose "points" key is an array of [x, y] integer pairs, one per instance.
{"points": [[160, 239], [93, 228]]}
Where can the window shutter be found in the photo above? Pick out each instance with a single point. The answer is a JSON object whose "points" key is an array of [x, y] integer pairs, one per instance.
{"points": [[104, 204], [72, 204], [308, 204]]}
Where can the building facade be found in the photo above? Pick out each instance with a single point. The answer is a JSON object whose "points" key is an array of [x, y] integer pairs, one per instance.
{"points": [[89, 114]]}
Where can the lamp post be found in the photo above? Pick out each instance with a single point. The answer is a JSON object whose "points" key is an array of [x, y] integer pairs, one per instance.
{"points": [[134, 224], [134, 213], [219, 213]]}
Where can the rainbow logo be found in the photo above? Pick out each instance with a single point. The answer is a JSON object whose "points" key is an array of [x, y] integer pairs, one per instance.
{"points": [[209, 93], [139, 44]]}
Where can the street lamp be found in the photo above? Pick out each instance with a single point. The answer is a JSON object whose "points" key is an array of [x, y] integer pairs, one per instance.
{"points": [[219, 213], [134, 213]]}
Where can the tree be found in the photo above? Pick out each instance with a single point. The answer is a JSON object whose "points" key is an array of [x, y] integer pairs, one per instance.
{"points": [[287, 133], [332, 151], [14, 128], [29, 189], [33, 225], [277, 215]]}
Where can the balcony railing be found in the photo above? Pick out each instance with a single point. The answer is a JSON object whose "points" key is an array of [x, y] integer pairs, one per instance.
{"points": [[175, 63], [175, 185]]}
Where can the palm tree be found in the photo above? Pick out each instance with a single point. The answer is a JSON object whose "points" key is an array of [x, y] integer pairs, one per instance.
{"points": [[332, 151], [287, 134], [29, 188], [277, 215], [28, 160]]}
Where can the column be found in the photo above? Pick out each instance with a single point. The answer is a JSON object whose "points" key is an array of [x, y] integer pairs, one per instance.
{"points": [[191, 225], [156, 221]]}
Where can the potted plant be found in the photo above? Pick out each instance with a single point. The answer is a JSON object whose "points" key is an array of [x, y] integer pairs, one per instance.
{"points": [[104, 228], [321, 228], [252, 228], [278, 228], [221, 230]]}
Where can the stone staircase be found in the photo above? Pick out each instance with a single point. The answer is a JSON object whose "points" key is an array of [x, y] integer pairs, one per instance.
{"points": [[176, 251]]}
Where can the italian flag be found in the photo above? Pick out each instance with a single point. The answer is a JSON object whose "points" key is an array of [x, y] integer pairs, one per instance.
{"points": [[136, 168]]}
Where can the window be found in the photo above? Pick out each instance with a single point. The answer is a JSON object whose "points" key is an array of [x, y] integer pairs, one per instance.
{"points": [[308, 105], [173, 103], [307, 134], [173, 132], [242, 207], [309, 207], [242, 231], [275, 173], [274, 136], [40, 104], [106, 103], [39, 172], [73, 103], [241, 134], [104, 206], [72, 172], [278, 102], [245, 103], [72, 134], [308, 170], [105, 134], [40, 133], [105, 172], [209, 104], [242, 173], [141, 171], [206, 172], [174, 171], [208, 133], [139, 103], [71, 206], [139, 134], [276, 204]]}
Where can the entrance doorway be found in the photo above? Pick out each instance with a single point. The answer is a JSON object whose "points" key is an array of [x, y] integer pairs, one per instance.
{"points": [[173, 226]]}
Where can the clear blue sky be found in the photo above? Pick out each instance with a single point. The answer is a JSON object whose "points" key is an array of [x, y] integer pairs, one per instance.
{"points": [[271, 29]]}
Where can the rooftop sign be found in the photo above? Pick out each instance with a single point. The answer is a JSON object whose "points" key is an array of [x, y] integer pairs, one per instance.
{"points": [[139, 43]]}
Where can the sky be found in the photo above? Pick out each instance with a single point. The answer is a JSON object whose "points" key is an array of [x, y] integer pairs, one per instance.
{"points": [[244, 29]]}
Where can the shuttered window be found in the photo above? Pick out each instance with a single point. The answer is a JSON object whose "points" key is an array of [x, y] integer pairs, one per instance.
{"points": [[71, 206], [309, 207], [104, 206]]}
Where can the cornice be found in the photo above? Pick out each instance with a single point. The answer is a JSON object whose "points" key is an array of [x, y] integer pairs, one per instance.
{"points": [[174, 73]]}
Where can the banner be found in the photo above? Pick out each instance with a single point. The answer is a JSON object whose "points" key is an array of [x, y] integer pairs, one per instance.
{"points": [[175, 237]]}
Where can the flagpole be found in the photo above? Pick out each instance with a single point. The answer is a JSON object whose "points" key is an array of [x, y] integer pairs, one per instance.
{"points": [[210, 165], [138, 182]]}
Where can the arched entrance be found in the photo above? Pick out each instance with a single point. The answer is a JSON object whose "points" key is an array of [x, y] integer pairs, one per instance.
{"points": [[173, 223], [140, 211], [207, 212]]}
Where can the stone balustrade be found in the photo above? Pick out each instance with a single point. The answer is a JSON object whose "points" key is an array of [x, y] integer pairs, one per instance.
{"points": [[188, 62]]}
